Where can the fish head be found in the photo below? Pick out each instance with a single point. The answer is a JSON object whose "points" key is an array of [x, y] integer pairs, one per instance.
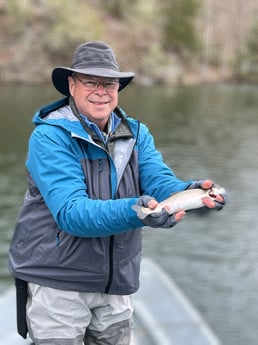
{"points": [[216, 190]]}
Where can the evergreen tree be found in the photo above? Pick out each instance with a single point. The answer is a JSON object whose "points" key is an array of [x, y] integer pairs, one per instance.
{"points": [[179, 25]]}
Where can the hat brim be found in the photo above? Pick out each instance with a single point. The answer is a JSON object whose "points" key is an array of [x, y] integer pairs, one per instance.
{"points": [[60, 77]]}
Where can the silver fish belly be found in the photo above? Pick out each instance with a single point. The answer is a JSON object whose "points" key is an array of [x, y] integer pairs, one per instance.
{"points": [[186, 200]]}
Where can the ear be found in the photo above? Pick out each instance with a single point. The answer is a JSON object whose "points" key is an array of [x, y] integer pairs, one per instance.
{"points": [[71, 83]]}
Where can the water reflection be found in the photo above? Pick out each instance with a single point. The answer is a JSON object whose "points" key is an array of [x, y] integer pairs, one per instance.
{"points": [[212, 132], [202, 132]]}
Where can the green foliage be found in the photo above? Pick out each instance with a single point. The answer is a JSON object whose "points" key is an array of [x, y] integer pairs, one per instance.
{"points": [[252, 44], [247, 68], [20, 13], [63, 23], [179, 25], [118, 8], [115, 7], [70, 23]]}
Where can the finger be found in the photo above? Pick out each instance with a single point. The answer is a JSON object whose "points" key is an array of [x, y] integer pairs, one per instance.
{"points": [[153, 204], [207, 184], [179, 215], [220, 198], [208, 203], [167, 208]]}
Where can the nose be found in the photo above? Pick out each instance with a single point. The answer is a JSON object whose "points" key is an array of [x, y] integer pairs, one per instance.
{"points": [[100, 89]]}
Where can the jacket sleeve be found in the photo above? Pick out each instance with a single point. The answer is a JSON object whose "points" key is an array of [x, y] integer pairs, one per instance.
{"points": [[156, 178], [56, 171]]}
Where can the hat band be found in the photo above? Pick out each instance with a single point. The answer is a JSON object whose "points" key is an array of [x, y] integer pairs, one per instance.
{"points": [[95, 64]]}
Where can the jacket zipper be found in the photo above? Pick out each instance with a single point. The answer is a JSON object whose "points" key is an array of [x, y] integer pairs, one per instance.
{"points": [[111, 262], [111, 248]]}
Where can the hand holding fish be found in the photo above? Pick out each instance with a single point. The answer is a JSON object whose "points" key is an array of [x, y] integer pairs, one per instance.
{"points": [[158, 217], [170, 211], [219, 195]]}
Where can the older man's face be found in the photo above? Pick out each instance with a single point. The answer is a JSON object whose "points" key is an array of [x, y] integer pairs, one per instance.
{"points": [[95, 97]]}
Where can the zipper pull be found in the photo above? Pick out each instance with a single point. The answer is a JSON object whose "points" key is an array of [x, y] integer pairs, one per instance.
{"points": [[58, 238]]}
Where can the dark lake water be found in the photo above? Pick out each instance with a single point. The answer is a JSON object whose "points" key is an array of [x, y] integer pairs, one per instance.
{"points": [[203, 132]]}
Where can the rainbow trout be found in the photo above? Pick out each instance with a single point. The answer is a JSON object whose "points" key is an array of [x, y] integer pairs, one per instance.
{"points": [[186, 200]]}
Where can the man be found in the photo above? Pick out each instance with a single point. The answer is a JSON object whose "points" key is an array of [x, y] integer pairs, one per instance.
{"points": [[77, 244]]}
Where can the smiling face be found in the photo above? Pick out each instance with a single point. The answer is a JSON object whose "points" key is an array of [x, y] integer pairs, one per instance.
{"points": [[92, 98]]}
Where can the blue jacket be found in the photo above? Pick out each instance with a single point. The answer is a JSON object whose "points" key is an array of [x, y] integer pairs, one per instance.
{"points": [[76, 229]]}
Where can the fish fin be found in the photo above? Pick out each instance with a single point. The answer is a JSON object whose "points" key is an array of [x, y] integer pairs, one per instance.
{"points": [[138, 210]]}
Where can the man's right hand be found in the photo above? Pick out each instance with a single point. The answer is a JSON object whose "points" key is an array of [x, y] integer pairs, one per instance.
{"points": [[160, 219]]}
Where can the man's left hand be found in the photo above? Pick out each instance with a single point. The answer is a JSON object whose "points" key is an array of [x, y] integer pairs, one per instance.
{"points": [[220, 199]]}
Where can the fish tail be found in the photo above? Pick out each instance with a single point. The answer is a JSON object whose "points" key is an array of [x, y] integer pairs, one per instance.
{"points": [[139, 211]]}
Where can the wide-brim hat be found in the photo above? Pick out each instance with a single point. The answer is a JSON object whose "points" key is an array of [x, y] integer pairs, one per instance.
{"points": [[91, 58]]}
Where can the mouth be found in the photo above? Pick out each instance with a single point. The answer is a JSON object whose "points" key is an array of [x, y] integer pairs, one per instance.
{"points": [[212, 195], [99, 103]]}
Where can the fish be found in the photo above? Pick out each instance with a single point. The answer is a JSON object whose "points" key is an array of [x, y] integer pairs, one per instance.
{"points": [[185, 200]]}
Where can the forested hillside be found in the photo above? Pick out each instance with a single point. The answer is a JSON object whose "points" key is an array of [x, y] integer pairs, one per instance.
{"points": [[170, 41]]}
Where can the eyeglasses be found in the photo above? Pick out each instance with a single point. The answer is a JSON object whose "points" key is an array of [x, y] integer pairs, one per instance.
{"points": [[92, 85]]}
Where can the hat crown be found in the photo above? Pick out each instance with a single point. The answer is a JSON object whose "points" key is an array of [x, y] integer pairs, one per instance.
{"points": [[91, 58], [94, 55]]}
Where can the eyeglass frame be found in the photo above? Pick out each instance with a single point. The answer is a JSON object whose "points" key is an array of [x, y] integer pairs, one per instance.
{"points": [[98, 83]]}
